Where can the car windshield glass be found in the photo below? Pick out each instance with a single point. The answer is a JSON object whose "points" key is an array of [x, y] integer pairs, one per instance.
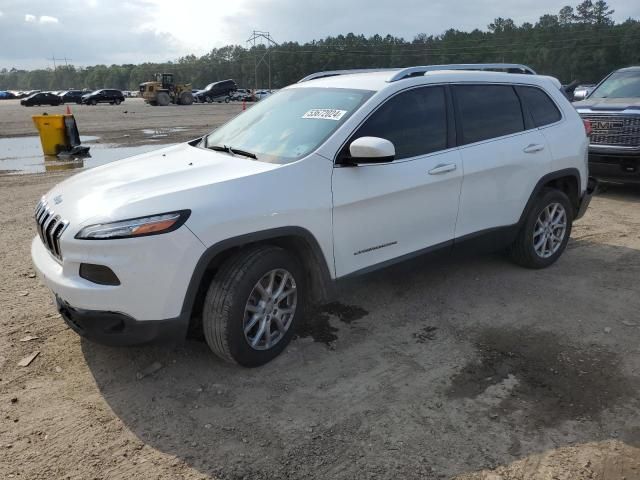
{"points": [[95, 92], [619, 85], [289, 124], [208, 87]]}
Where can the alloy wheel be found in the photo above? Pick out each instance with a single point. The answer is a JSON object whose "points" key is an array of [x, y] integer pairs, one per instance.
{"points": [[270, 309], [550, 230]]}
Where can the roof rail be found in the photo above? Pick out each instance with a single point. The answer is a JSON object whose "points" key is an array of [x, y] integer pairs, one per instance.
{"points": [[333, 73], [418, 71]]}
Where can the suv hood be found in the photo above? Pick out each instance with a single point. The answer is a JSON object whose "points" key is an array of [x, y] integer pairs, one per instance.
{"points": [[611, 104], [146, 184]]}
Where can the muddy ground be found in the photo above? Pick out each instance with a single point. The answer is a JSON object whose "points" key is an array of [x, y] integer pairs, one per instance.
{"points": [[471, 368], [128, 124]]}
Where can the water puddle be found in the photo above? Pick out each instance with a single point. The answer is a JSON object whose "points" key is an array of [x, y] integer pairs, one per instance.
{"points": [[24, 155], [162, 132]]}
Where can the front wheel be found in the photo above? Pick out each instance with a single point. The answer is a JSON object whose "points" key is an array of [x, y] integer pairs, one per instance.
{"points": [[118, 101], [546, 230], [253, 304]]}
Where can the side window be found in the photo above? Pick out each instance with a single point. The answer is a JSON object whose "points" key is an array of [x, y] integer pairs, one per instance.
{"points": [[415, 122], [542, 108], [488, 111]]}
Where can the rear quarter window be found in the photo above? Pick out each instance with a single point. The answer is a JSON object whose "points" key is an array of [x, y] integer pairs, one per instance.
{"points": [[543, 110]]}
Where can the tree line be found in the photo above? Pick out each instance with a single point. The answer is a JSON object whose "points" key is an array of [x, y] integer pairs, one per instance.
{"points": [[582, 43]]}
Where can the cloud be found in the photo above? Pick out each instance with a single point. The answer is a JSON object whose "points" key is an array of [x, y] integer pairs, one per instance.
{"points": [[48, 19], [71, 30], [136, 31]]}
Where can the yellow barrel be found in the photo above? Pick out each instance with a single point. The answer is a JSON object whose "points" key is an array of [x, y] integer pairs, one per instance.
{"points": [[53, 135]]}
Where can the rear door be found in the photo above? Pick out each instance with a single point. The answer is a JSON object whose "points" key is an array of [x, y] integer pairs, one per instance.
{"points": [[503, 155], [384, 211]]}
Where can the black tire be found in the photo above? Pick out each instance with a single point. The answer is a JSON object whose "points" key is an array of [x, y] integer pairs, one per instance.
{"points": [[209, 99], [163, 99], [186, 98], [227, 99], [118, 101], [229, 291], [522, 251], [93, 102]]}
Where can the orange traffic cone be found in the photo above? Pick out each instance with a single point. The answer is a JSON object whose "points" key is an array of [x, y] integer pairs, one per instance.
{"points": [[68, 112]]}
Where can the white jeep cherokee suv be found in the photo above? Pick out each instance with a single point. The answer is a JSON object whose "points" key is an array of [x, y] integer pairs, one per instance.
{"points": [[238, 232]]}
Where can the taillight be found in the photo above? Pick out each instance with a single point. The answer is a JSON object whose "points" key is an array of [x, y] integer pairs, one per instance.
{"points": [[587, 127]]}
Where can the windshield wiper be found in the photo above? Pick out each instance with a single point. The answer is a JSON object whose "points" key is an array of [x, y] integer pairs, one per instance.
{"points": [[233, 151]]}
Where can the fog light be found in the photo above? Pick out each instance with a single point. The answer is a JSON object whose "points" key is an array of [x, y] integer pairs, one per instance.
{"points": [[98, 274]]}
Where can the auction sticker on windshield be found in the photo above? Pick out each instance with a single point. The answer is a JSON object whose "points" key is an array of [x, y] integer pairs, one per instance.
{"points": [[325, 114]]}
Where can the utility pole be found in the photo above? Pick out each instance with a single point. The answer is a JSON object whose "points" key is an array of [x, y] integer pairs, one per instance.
{"points": [[54, 59], [258, 38]]}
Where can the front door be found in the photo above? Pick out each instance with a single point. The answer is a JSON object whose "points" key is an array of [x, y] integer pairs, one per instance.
{"points": [[385, 211]]}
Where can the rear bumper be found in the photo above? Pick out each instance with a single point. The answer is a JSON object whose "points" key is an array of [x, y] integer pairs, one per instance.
{"points": [[592, 189], [119, 329]]}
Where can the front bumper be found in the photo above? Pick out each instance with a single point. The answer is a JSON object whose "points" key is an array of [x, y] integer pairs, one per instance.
{"points": [[592, 189], [119, 329], [618, 166]]}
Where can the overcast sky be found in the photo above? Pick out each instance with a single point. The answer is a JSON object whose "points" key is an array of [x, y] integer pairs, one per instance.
{"points": [[134, 31]]}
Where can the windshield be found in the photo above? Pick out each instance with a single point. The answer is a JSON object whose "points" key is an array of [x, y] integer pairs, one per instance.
{"points": [[208, 87], [95, 92], [289, 124], [619, 85]]}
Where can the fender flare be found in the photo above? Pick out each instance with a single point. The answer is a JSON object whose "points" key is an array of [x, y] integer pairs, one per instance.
{"points": [[549, 177], [274, 234]]}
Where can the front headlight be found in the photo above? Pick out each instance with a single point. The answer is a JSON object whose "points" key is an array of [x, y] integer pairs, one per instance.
{"points": [[135, 227]]}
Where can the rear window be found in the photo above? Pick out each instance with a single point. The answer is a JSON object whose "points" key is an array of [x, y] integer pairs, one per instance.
{"points": [[488, 111], [542, 108]]}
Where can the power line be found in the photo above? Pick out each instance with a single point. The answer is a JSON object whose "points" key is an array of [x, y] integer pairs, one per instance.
{"points": [[259, 59]]}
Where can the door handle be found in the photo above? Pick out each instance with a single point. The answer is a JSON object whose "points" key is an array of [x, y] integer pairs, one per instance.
{"points": [[533, 148], [442, 168]]}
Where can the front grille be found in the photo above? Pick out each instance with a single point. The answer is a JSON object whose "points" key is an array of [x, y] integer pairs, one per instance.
{"points": [[50, 227], [614, 130]]}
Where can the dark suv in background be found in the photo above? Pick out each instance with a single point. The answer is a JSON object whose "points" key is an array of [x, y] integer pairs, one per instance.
{"points": [[613, 110], [103, 96], [72, 96], [215, 90]]}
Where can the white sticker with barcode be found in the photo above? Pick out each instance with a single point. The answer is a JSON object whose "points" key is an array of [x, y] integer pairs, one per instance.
{"points": [[325, 114]]}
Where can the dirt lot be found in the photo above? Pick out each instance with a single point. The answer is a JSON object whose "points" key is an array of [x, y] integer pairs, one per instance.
{"points": [[471, 367], [130, 123]]}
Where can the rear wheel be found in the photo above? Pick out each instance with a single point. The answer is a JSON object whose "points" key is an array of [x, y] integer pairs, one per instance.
{"points": [[118, 101], [253, 304], [546, 230], [163, 99]]}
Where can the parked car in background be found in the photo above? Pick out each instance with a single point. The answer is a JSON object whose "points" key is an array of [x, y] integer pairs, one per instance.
{"points": [[582, 91], [104, 95], [260, 94], [42, 98], [613, 111], [5, 95], [244, 229], [72, 96], [241, 94], [216, 90]]}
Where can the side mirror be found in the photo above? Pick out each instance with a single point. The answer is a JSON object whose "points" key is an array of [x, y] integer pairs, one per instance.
{"points": [[372, 150]]}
